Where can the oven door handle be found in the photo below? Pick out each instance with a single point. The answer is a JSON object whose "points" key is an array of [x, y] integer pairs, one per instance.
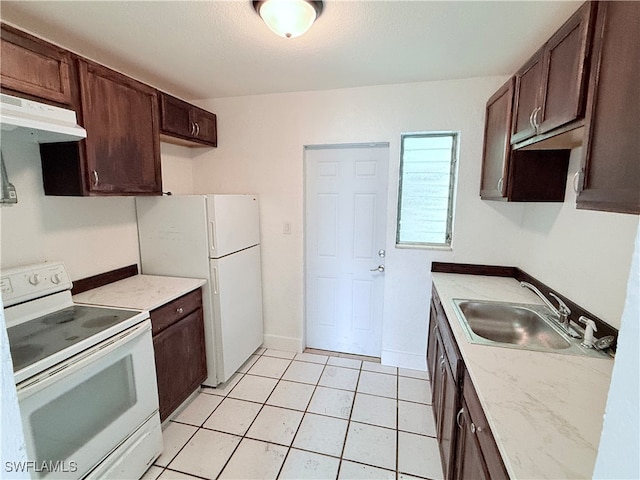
{"points": [[81, 360]]}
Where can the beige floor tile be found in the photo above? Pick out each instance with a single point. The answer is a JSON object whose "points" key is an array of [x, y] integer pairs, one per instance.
{"points": [[275, 425], [312, 358], [337, 377], [371, 445], [269, 367], [378, 368], [357, 471], [345, 362], [255, 460], [380, 411], [253, 388], [199, 409], [416, 418], [414, 390], [205, 454], [406, 372], [279, 354], [233, 416], [418, 455], [259, 351], [224, 388], [152, 473], [331, 402], [174, 437], [303, 372], [321, 434], [248, 364], [308, 466], [171, 475], [291, 395], [379, 384]]}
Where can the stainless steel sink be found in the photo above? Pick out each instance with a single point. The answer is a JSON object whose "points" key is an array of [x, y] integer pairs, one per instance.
{"points": [[514, 325]]}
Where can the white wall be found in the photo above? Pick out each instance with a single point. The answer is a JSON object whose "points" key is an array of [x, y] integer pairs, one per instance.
{"points": [[261, 151], [584, 254], [177, 169], [91, 235]]}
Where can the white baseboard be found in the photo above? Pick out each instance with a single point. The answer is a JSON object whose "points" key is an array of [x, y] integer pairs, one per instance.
{"points": [[413, 361], [287, 344]]}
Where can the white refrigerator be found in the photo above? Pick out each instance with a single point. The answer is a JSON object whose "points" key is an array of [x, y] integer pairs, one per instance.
{"points": [[216, 237]]}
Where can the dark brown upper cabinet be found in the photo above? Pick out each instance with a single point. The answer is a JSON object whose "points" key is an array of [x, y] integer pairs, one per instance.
{"points": [[121, 154], [610, 179], [521, 175], [186, 124], [497, 149], [32, 67], [551, 86]]}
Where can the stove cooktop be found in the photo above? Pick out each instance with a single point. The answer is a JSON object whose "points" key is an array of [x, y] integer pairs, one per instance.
{"points": [[48, 336]]}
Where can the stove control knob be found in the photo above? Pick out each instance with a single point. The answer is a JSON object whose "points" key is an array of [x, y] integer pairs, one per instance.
{"points": [[55, 278], [34, 279]]}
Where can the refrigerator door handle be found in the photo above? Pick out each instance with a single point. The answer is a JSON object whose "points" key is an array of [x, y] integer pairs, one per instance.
{"points": [[212, 225], [215, 280]]}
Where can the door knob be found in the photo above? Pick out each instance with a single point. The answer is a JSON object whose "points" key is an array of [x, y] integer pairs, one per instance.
{"points": [[382, 253], [379, 268]]}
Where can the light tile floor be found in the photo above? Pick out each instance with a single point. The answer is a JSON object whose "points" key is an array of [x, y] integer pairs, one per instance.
{"points": [[312, 415]]}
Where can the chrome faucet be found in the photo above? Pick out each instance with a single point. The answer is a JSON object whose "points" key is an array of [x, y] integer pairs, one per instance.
{"points": [[562, 312]]}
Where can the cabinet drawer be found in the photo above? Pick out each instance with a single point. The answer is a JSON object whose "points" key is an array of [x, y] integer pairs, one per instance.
{"points": [[170, 313], [488, 446]]}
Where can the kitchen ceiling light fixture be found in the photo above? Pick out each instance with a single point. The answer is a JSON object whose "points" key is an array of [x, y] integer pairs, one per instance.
{"points": [[288, 18]]}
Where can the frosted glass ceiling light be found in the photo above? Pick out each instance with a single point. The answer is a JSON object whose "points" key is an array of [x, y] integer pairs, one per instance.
{"points": [[288, 18]]}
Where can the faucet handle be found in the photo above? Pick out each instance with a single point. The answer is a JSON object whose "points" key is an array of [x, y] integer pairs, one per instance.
{"points": [[562, 307]]}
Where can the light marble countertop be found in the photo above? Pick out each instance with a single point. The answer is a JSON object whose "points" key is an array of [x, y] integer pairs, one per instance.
{"points": [[545, 409], [140, 292]]}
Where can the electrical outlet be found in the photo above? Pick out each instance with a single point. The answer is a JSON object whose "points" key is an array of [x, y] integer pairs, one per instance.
{"points": [[286, 228]]}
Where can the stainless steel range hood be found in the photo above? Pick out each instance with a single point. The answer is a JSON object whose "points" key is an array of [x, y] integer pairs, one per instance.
{"points": [[38, 122]]}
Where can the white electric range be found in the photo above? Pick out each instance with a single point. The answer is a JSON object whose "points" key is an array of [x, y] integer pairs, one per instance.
{"points": [[85, 378]]}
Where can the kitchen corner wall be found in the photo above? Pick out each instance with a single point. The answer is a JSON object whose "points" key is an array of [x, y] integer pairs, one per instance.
{"points": [[261, 150], [90, 235]]}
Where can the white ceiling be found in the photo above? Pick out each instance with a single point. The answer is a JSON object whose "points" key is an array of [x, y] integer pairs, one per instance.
{"points": [[209, 49]]}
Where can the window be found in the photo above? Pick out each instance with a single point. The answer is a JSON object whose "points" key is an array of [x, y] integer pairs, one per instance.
{"points": [[427, 183]]}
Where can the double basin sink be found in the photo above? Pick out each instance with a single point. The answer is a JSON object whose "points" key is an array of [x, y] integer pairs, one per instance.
{"points": [[513, 325]]}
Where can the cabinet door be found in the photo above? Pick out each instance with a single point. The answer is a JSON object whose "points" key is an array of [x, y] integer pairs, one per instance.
{"points": [[565, 75], [527, 97], [445, 406], [432, 354], [175, 116], [206, 128], [34, 67], [497, 146], [123, 143], [611, 152], [469, 460], [180, 361]]}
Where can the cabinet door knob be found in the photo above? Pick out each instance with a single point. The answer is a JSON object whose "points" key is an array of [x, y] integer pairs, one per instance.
{"points": [[193, 128], [197, 129], [458, 417], [536, 125], [500, 183], [95, 178], [179, 310], [576, 181]]}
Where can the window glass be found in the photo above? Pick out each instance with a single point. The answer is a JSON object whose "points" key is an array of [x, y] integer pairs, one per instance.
{"points": [[427, 184]]}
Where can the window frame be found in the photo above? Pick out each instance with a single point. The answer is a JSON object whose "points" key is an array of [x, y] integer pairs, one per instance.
{"points": [[453, 168]]}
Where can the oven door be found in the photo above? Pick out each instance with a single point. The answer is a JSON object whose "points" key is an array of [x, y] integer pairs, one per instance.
{"points": [[75, 413]]}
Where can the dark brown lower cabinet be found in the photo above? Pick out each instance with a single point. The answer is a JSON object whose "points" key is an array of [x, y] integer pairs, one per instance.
{"points": [[179, 351], [467, 447]]}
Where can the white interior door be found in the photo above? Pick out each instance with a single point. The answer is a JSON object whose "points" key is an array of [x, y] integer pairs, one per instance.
{"points": [[345, 225]]}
